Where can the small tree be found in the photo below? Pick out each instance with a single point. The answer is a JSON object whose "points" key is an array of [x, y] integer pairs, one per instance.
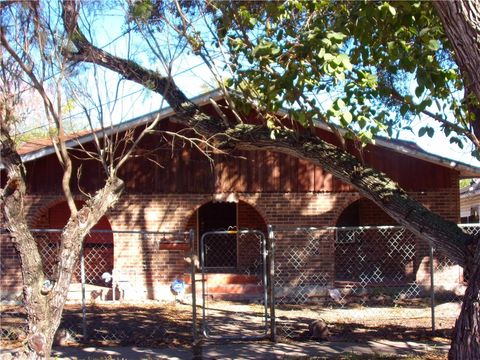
{"points": [[32, 59]]}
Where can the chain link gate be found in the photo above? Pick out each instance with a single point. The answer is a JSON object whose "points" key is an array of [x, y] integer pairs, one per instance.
{"points": [[234, 284]]}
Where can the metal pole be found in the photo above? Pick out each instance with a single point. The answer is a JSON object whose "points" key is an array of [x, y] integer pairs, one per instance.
{"points": [[204, 296], [265, 279], [432, 289], [193, 288], [271, 283], [84, 310]]}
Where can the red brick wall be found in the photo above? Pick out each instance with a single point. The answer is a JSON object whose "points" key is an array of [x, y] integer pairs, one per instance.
{"points": [[151, 269], [10, 274]]}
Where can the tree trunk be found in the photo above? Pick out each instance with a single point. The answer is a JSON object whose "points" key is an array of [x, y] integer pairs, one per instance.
{"points": [[466, 338], [45, 298], [461, 22]]}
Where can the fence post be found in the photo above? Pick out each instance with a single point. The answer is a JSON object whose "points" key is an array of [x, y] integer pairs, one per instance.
{"points": [[271, 284], [264, 251], [432, 288], [193, 286], [84, 311]]}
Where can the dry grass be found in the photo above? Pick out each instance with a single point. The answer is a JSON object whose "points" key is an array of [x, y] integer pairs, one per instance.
{"points": [[427, 356], [156, 324]]}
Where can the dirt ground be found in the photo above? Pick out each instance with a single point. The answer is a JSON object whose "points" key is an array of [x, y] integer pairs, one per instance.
{"points": [[155, 324]]}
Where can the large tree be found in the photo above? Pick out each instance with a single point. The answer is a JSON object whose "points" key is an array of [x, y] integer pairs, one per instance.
{"points": [[274, 54], [284, 53]]}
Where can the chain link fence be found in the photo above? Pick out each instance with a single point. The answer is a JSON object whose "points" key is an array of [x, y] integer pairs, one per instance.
{"points": [[362, 277], [106, 301]]}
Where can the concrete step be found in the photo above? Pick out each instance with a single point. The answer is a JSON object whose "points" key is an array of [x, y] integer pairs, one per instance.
{"points": [[229, 286]]}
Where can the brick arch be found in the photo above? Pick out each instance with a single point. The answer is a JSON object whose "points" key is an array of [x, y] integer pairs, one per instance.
{"points": [[98, 246], [39, 213], [190, 222], [369, 214], [250, 217], [341, 208], [244, 209]]}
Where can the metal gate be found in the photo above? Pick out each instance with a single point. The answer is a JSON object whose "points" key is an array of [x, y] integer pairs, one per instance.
{"points": [[234, 284]]}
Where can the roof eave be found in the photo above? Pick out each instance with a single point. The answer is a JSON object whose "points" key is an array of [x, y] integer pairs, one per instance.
{"points": [[465, 171], [138, 121]]}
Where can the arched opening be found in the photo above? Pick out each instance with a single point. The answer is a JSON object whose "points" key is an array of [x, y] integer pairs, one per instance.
{"points": [[364, 212], [98, 249], [369, 250], [227, 252]]}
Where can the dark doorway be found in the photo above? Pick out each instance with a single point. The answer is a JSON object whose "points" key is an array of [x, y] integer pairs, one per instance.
{"points": [[220, 248], [217, 216]]}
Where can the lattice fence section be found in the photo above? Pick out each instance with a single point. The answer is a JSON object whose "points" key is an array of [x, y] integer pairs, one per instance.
{"points": [[374, 255], [49, 246], [113, 316], [369, 273], [303, 272], [13, 326]]}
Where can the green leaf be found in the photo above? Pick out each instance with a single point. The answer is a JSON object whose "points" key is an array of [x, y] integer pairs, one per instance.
{"points": [[419, 91], [347, 116], [362, 121], [424, 32], [455, 140], [392, 10], [328, 57], [336, 36], [433, 45], [321, 53], [429, 131], [344, 60], [263, 49], [301, 117]]}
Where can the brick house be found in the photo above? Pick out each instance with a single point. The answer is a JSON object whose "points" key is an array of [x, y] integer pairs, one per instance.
{"points": [[177, 188], [470, 203]]}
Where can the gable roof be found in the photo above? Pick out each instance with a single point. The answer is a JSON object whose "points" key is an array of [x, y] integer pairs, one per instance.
{"points": [[471, 190], [38, 148]]}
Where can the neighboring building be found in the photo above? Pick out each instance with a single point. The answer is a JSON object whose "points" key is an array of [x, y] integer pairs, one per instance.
{"points": [[250, 190], [470, 203]]}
